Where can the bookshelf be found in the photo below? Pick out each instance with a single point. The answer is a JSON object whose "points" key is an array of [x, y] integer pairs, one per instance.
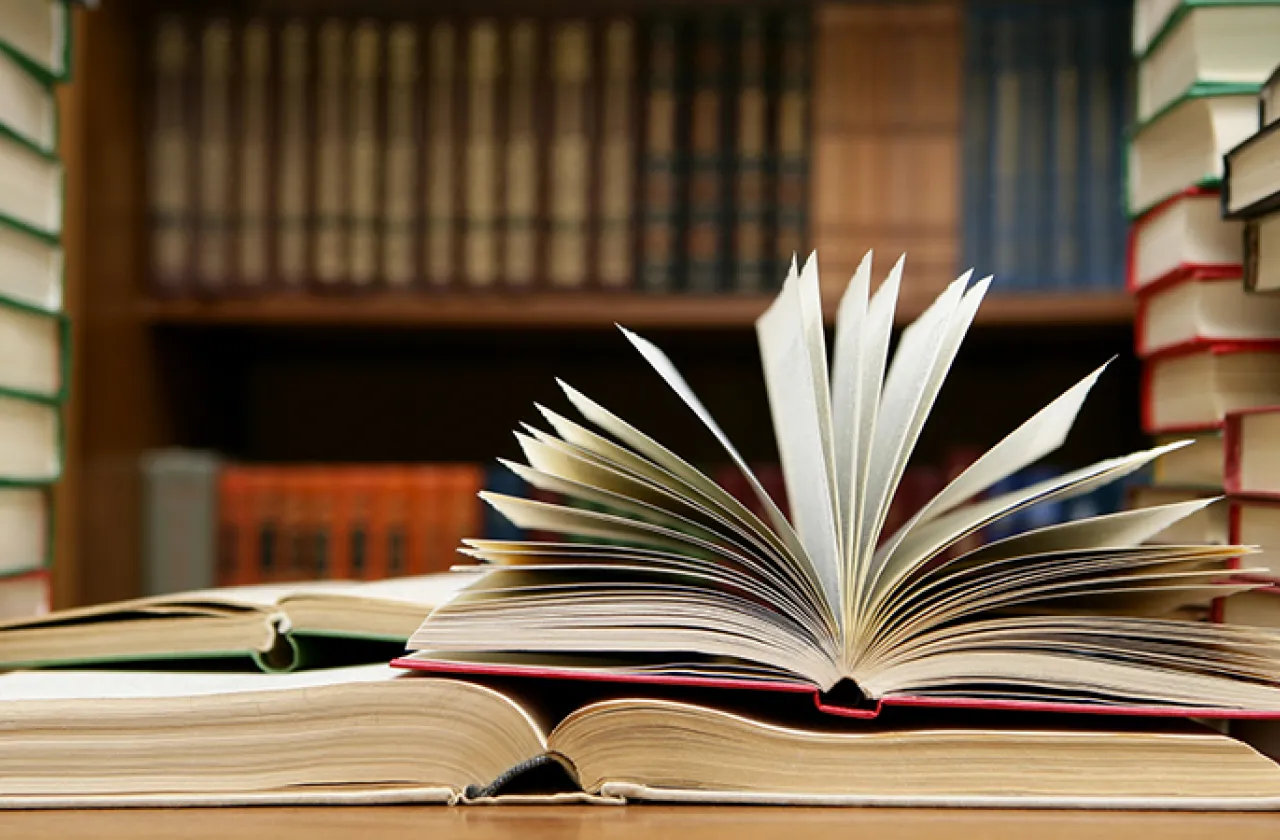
{"points": [[436, 377]]}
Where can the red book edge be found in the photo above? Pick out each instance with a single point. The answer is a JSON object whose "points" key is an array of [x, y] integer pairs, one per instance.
{"points": [[1130, 274], [820, 702], [25, 574], [1182, 275], [1232, 443], [1217, 348]]}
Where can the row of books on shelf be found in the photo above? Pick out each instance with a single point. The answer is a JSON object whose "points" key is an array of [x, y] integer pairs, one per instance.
{"points": [[1046, 89], [662, 153], [35, 57], [212, 522]]}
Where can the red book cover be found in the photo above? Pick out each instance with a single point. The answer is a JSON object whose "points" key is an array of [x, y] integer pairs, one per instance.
{"points": [[1192, 275], [1233, 442], [824, 702], [1149, 424], [1182, 270]]}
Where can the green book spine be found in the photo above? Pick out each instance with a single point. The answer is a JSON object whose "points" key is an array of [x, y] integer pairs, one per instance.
{"points": [[54, 66]]}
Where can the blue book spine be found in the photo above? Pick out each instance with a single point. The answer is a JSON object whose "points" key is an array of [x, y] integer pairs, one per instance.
{"points": [[1062, 232], [1125, 107], [1004, 150], [1102, 175], [1031, 146], [499, 479], [977, 131]]}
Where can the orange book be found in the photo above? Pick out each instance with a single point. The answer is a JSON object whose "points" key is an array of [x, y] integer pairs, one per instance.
{"points": [[236, 561], [426, 494], [358, 505], [338, 512], [461, 515]]}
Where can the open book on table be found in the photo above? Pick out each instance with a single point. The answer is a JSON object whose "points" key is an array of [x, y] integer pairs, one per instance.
{"points": [[672, 579], [277, 627], [374, 734]]}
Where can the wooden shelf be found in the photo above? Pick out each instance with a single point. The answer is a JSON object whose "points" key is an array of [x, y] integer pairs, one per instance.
{"points": [[584, 311]]}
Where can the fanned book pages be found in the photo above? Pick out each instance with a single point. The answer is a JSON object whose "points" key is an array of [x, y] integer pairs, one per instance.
{"points": [[668, 578]]}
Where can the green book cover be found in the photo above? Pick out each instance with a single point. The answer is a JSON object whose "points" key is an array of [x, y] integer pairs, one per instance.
{"points": [[46, 58], [1171, 22], [31, 110]]}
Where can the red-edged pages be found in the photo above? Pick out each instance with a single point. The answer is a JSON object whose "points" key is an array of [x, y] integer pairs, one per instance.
{"points": [[1216, 348], [1181, 270], [1185, 274], [1232, 447], [823, 702], [1235, 509]]}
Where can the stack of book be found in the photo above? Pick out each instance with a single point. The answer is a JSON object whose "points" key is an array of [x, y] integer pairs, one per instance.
{"points": [[666, 642], [664, 152], [35, 52]]}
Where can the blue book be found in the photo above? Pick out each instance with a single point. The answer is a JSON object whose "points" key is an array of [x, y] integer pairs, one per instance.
{"points": [[977, 129], [499, 479]]}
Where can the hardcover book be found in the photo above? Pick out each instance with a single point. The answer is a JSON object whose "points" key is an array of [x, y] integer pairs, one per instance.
{"points": [[668, 578]]}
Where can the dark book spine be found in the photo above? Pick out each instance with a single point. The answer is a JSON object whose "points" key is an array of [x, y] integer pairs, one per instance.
{"points": [[659, 265], [793, 140], [169, 159], [705, 245], [751, 259]]}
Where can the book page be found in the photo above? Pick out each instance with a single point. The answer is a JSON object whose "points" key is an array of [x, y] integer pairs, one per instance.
{"points": [[800, 408], [109, 684], [847, 362], [915, 376], [922, 543]]}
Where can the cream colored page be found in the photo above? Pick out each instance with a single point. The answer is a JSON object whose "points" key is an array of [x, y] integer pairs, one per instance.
{"points": [[106, 684], [796, 550], [1034, 439], [1116, 530], [803, 439], [921, 543], [846, 388], [815, 344]]}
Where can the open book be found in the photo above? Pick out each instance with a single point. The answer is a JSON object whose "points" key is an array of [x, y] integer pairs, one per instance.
{"points": [[374, 734], [278, 627], [672, 579]]}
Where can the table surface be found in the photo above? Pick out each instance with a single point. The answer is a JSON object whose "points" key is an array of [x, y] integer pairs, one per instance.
{"points": [[622, 823]]}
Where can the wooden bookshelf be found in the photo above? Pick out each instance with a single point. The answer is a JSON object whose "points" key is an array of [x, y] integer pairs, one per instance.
{"points": [[449, 376], [585, 311]]}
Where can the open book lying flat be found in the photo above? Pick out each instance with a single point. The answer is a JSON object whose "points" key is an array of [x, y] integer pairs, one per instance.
{"points": [[278, 627], [373, 734], [673, 580]]}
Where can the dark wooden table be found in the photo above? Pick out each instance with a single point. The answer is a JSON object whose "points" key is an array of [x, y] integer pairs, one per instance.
{"points": [[624, 823]]}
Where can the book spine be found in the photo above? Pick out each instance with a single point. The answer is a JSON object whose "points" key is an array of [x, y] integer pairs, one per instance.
{"points": [[463, 515], [441, 118], [750, 259], [976, 140], [616, 258], [705, 248], [180, 509], [398, 259], [495, 526], [331, 172], [1102, 151], [1250, 236], [570, 155], [521, 156], [168, 160], [252, 242], [214, 195], [394, 499], [294, 150], [1004, 151], [792, 133], [364, 82], [659, 265], [1029, 225], [1062, 235], [484, 62]]}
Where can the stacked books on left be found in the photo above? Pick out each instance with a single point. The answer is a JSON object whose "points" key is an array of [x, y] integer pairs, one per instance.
{"points": [[34, 356]]}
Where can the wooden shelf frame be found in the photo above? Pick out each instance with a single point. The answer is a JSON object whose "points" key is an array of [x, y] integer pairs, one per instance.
{"points": [[585, 311]]}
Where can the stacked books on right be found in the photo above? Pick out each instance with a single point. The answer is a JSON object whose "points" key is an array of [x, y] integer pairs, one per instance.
{"points": [[1208, 335]]}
